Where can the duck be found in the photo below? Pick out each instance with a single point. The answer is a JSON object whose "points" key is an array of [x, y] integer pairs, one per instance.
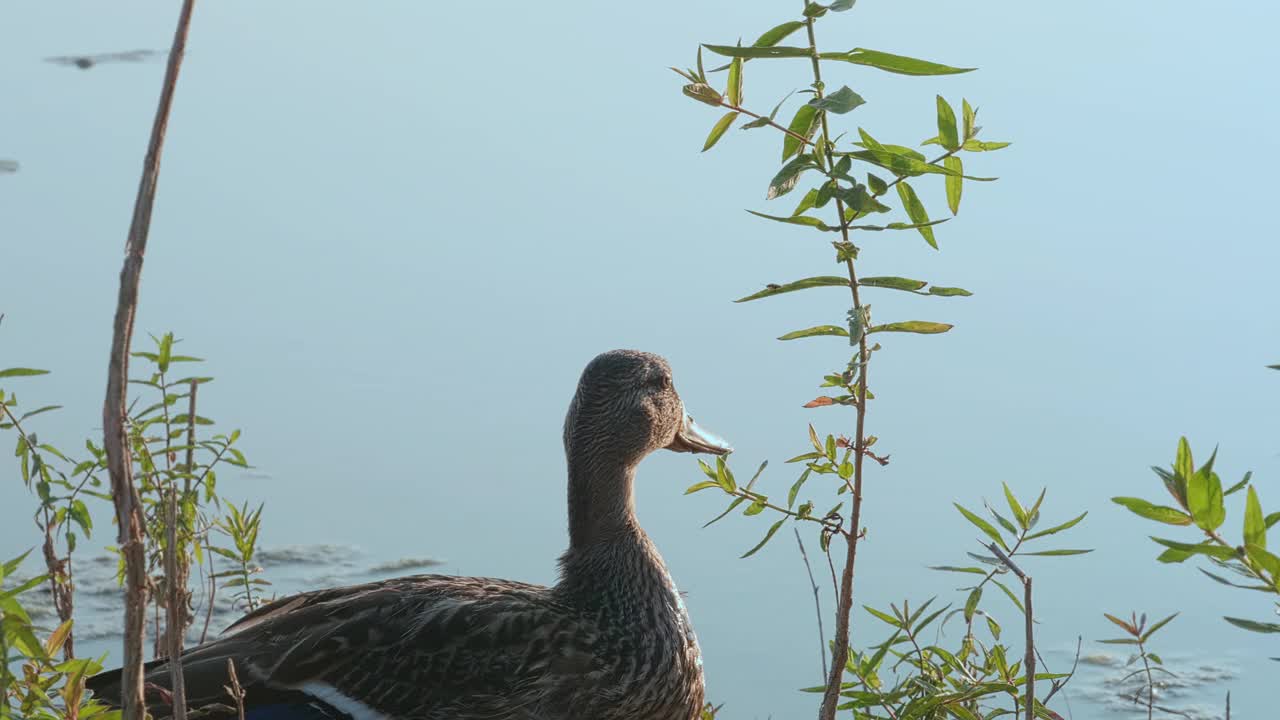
{"points": [[611, 639]]}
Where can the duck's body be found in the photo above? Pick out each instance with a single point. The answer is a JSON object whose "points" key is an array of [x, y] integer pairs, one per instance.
{"points": [[611, 640]]}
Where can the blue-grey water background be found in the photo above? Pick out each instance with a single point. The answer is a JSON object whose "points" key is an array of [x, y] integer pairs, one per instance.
{"points": [[398, 231]]}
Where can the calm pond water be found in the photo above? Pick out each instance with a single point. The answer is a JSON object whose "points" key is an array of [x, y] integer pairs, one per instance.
{"points": [[398, 234]]}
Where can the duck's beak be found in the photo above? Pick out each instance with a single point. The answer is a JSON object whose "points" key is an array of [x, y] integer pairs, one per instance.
{"points": [[693, 439]]}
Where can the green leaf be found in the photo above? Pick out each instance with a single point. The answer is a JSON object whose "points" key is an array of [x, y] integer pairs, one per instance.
{"points": [[718, 130], [814, 10], [1012, 598], [756, 507], [970, 117], [1264, 559], [1205, 499], [883, 616], [808, 202], [806, 220], [1255, 529], [805, 284], [1019, 513], [724, 476], [80, 513], [786, 179], [841, 5], [982, 525], [877, 184], [839, 102], [1253, 625], [1159, 513], [701, 486], [734, 89], [736, 502], [795, 489], [756, 52], [1058, 528], [757, 123], [889, 62], [1240, 485], [21, 372], [922, 327], [893, 283], [915, 210], [954, 569], [949, 291], [816, 331], [702, 93], [1206, 548], [1152, 630], [767, 536], [980, 146], [803, 124], [1173, 556], [954, 183], [777, 34], [1224, 581], [899, 163], [1184, 463], [971, 603], [948, 134], [1053, 553]]}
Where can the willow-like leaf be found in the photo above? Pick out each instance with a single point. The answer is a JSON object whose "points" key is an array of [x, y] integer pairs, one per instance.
{"points": [[777, 34], [718, 130], [899, 64], [805, 284], [922, 327], [816, 331]]}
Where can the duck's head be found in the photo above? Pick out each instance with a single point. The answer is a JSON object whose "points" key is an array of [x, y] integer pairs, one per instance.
{"points": [[626, 407]]}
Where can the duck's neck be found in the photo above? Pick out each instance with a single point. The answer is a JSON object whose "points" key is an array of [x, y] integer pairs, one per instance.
{"points": [[610, 560], [601, 504]]}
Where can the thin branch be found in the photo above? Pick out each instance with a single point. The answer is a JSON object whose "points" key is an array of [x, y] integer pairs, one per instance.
{"points": [[787, 131], [128, 506], [1029, 664], [817, 604]]}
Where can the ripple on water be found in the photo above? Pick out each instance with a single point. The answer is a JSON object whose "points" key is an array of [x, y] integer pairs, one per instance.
{"points": [[1189, 686], [289, 568]]}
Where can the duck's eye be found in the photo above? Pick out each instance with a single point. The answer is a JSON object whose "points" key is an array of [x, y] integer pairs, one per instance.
{"points": [[660, 382]]}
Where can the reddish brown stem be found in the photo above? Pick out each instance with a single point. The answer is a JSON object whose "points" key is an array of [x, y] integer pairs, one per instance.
{"points": [[844, 606]]}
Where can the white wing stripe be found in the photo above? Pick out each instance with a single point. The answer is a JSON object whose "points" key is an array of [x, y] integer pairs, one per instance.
{"points": [[356, 709]]}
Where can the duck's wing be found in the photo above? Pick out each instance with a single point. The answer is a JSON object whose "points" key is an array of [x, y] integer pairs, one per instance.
{"points": [[425, 646]]}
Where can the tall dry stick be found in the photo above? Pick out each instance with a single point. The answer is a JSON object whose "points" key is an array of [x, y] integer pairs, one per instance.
{"points": [[114, 412]]}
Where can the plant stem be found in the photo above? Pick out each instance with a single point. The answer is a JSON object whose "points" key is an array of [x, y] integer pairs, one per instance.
{"points": [[803, 140], [1151, 684], [845, 602], [817, 604], [175, 620], [115, 436], [1030, 663]]}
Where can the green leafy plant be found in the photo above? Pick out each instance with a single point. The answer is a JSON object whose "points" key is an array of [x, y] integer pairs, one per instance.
{"points": [[241, 526], [1200, 506], [849, 177], [44, 688], [1138, 635], [175, 458]]}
